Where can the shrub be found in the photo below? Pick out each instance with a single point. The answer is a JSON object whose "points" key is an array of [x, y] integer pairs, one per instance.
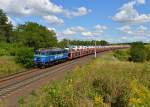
{"points": [[25, 57], [3, 52], [148, 54], [7, 49], [138, 52], [21, 102], [121, 55]]}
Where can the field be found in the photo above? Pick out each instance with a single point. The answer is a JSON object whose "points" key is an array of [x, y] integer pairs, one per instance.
{"points": [[105, 82], [8, 66]]}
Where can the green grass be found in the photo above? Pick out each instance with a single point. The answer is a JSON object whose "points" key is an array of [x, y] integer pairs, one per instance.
{"points": [[105, 82], [8, 66]]}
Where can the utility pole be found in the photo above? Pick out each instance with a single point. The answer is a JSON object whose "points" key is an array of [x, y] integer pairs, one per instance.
{"points": [[95, 48]]}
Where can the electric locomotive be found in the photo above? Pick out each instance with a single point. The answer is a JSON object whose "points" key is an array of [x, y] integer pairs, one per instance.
{"points": [[46, 57]]}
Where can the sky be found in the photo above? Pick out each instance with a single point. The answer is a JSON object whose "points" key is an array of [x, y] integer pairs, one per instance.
{"points": [[111, 20]]}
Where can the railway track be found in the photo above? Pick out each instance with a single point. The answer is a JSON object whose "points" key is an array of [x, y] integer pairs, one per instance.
{"points": [[9, 77], [14, 82], [13, 86]]}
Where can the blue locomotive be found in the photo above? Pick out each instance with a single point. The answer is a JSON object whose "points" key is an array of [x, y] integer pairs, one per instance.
{"points": [[45, 57]]}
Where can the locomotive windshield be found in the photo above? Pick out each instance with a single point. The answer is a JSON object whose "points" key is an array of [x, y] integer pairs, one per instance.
{"points": [[40, 52]]}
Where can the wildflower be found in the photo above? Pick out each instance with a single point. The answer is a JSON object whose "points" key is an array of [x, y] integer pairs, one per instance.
{"points": [[98, 100], [135, 101]]}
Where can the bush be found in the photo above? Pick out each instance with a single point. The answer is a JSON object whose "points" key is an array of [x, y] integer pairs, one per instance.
{"points": [[113, 92], [148, 54], [138, 52], [25, 56], [7, 49], [121, 55], [3, 52]]}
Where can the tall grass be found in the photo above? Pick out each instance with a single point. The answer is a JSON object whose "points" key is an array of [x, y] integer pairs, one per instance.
{"points": [[105, 82], [8, 66]]}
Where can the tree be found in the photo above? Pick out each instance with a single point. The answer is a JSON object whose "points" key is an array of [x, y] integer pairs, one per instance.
{"points": [[25, 57], [103, 43], [35, 36], [63, 43], [137, 52], [5, 27]]}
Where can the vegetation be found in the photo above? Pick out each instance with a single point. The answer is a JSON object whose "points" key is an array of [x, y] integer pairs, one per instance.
{"points": [[65, 43], [148, 52], [138, 52], [5, 28], [8, 66], [105, 82], [34, 35], [122, 55], [25, 57]]}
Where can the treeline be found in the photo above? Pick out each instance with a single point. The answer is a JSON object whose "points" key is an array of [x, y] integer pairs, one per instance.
{"points": [[65, 43]]}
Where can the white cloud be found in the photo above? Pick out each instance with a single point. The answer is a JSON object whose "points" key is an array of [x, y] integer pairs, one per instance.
{"points": [[49, 28], [37, 8], [29, 7], [139, 31], [141, 1], [45, 9], [100, 28], [74, 30], [87, 33], [68, 31], [124, 38], [53, 20], [81, 12], [97, 31], [129, 15], [10, 20]]}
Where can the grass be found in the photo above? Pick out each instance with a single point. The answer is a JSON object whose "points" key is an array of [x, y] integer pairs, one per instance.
{"points": [[105, 82], [8, 66]]}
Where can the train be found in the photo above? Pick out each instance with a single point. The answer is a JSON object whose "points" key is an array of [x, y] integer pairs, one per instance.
{"points": [[46, 57]]}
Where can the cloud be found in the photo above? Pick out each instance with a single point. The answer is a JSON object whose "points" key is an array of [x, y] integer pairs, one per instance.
{"points": [[124, 38], [127, 14], [87, 33], [30, 7], [37, 8], [10, 20], [141, 1], [49, 28], [139, 31], [79, 12], [44, 9], [53, 20], [100, 28], [69, 31], [97, 31]]}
